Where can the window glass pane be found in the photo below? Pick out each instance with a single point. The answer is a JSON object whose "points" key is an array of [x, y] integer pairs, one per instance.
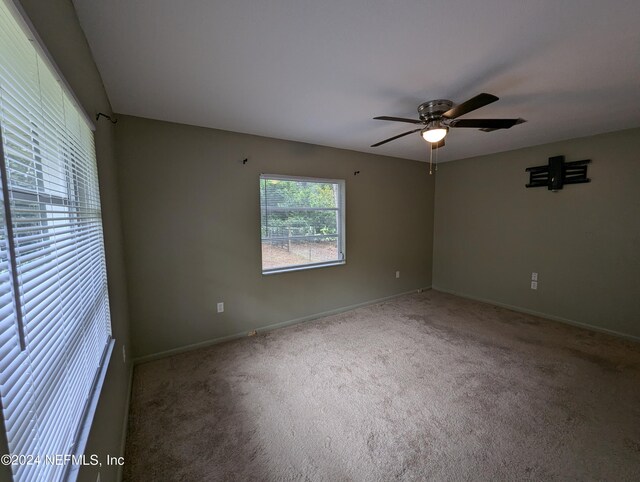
{"points": [[301, 222]]}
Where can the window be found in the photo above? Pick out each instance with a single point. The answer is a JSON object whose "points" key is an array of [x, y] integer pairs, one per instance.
{"points": [[302, 223], [55, 334]]}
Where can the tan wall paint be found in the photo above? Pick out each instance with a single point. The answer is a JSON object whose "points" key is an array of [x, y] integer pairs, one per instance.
{"points": [[191, 219], [491, 232], [57, 25]]}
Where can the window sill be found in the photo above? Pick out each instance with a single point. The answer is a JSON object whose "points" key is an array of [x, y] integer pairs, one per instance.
{"points": [[302, 267], [90, 411]]}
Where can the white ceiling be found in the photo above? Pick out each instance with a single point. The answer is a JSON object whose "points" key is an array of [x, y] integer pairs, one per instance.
{"points": [[318, 70]]}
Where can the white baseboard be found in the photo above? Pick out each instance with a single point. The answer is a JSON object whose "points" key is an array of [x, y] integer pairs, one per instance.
{"points": [[548, 316], [274, 326]]}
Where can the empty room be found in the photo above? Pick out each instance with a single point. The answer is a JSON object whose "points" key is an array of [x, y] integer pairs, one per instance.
{"points": [[319, 240]]}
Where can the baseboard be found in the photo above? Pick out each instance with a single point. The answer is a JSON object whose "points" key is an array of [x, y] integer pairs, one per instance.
{"points": [[274, 326], [548, 316], [125, 424]]}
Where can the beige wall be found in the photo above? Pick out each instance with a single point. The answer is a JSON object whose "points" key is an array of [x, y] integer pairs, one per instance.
{"points": [[491, 232], [56, 23], [191, 218]]}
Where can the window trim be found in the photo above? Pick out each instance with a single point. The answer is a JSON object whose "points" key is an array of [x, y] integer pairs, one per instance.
{"points": [[86, 423], [341, 209]]}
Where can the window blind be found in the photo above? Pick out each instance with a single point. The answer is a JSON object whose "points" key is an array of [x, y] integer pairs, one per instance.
{"points": [[302, 222], [54, 313]]}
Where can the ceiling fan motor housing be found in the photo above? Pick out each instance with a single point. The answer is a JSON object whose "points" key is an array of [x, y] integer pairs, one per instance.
{"points": [[434, 109]]}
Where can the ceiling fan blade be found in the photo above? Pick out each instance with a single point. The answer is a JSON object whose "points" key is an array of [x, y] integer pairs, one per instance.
{"points": [[399, 119], [395, 137], [491, 129], [491, 124], [474, 103]]}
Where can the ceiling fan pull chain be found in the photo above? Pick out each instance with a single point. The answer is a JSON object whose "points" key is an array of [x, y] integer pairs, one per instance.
{"points": [[430, 158], [436, 169]]}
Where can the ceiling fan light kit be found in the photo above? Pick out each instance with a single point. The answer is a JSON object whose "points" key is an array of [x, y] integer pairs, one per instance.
{"points": [[437, 116], [434, 133]]}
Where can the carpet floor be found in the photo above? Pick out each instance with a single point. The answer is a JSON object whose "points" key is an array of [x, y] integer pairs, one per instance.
{"points": [[427, 386]]}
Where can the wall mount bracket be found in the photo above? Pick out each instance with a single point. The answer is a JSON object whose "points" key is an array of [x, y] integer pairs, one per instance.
{"points": [[557, 173]]}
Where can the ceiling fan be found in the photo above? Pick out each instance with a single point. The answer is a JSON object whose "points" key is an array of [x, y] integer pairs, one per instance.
{"points": [[437, 116]]}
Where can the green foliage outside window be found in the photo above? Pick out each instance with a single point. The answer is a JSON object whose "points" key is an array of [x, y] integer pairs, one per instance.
{"points": [[288, 208]]}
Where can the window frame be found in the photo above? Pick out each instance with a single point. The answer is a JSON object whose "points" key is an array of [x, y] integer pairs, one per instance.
{"points": [[341, 225]]}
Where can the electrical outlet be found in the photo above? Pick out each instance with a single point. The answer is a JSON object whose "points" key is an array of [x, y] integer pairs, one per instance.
{"points": [[124, 355], [397, 274], [534, 276], [220, 307], [534, 285]]}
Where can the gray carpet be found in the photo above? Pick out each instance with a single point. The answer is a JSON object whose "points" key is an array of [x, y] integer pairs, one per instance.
{"points": [[424, 387]]}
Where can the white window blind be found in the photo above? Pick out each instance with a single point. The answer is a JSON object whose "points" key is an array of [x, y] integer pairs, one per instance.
{"points": [[54, 316], [302, 222]]}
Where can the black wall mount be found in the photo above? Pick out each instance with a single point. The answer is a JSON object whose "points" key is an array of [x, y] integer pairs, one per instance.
{"points": [[558, 173]]}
